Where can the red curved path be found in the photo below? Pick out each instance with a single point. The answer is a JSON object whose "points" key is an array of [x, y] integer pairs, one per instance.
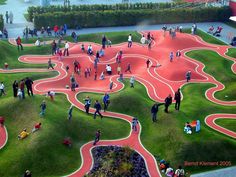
{"points": [[159, 81]]}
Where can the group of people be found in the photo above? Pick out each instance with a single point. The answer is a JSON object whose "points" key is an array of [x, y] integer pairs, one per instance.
{"points": [[169, 171], [216, 32], [19, 88]]}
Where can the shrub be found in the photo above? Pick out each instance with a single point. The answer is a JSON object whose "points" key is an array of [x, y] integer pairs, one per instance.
{"points": [[131, 17]]}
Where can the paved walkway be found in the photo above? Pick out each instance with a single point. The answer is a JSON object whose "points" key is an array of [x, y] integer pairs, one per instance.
{"points": [[226, 172], [14, 32]]}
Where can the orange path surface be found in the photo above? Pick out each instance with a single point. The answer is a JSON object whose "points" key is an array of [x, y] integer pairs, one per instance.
{"points": [[159, 82]]}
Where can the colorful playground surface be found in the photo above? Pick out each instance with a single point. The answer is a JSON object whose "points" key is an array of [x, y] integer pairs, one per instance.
{"points": [[209, 96]]}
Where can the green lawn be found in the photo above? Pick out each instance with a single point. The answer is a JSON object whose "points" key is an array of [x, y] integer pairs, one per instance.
{"points": [[206, 37], [43, 152], [221, 71], [227, 123], [2, 2], [232, 52]]}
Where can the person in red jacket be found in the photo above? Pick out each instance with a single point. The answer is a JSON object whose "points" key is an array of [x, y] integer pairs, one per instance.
{"points": [[55, 29], [36, 127], [2, 120], [19, 44]]}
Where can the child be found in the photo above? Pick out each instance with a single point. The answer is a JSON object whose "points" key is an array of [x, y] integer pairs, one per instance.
{"points": [[82, 47], [51, 94], [20, 94], [102, 76], [118, 69], [95, 75], [2, 89], [36, 127], [43, 107], [108, 43], [187, 128], [60, 55]]}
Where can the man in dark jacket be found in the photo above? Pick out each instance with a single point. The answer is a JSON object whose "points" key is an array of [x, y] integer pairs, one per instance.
{"points": [[154, 111], [177, 99], [29, 83], [98, 107], [168, 102]]}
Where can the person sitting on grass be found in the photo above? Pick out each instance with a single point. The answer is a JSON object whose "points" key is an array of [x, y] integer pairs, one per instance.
{"points": [[188, 128], [180, 172], [67, 142], [36, 127], [23, 134]]}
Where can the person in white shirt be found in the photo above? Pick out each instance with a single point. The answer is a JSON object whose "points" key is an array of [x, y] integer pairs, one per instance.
{"points": [[90, 50], [66, 51], [108, 69], [129, 41], [143, 40], [2, 91], [37, 43]]}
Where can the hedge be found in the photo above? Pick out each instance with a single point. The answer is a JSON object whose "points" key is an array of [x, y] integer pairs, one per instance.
{"points": [[102, 7], [131, 17], [1, 22]]}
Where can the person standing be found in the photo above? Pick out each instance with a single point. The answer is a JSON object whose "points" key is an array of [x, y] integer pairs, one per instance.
{"points": [[106, 101], [177, 99], [7, 16], [154, 111], [178, 54], [15, 86], [54, 47], [22, 88], [188, 76], [29, 83], [2, 89], [148, 62], [171, 56], [97, 137], [18, 43], [134, 123], [11, 17], [72, 82], [129, 41], [143, 40], [168, 102], [43, 107], [66, 51], [132, 82], [87, 104], [50, 63], [65, 29], [70, 112], [97, 107], [128, 68], [104, 40], [111, 85]]}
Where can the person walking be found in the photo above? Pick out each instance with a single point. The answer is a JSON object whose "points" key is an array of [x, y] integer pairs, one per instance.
{"points": [[70, 112], [154, 111], [22, 88], [72, 82], [168, 102], [104, 40], [43, 107], [66, 51], [18, 43], [143, 40], [111, 85], [178, 54], [132, 82], [97, 137], [50, 63], [97, 107], [129, 41], [87, 104], [148, 62], [2, 89], [54, 47], [106, 101], [15, 86], [11, 17], [7, 16], [128, 68], [134, 124], [29, 83], [188, 76], [171, 56], [177, 99]]}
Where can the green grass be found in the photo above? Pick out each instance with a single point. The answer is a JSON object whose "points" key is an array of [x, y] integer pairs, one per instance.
{"points": [[221, 71], [115, 37], [2, 2], [227, 123], [206, 37], [43, 152], [232, 52]]}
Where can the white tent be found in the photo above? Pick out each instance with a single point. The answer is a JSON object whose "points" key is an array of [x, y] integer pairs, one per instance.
{"points": [[233, 18]]}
